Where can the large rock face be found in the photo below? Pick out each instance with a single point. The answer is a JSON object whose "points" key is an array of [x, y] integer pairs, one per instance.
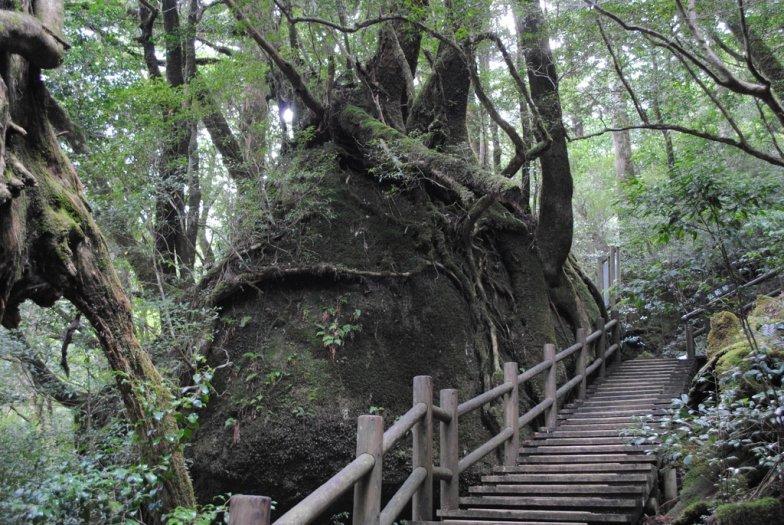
{"points": [[380, 267]]}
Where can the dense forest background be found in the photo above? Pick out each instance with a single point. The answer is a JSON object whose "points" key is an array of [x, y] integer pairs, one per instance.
{"points": [[240, 223]]}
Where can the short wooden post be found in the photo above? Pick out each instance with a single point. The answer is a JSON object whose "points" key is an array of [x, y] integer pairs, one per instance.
{"points": [[367, 491], [670, 485], [422, 451], [690, 350], [582, 362], [249, 510], [550, 387], [617, 336], [603, 346], [450, 451], [511, 415]]}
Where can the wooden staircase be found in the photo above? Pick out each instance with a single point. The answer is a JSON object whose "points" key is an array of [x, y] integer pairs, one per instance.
{"points": [[585, 470]]}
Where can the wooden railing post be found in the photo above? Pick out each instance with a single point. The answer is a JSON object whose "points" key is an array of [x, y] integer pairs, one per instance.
{"points": [[600, 281], [611, 278], [367, 491], [617, 336], [422, 451], [450, 451], [550, 387], [582, 362], [249, 510], [511, 415], [603, 346], [690, 350]]}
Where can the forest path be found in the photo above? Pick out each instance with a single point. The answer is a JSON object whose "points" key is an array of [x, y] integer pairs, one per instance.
{"points": [[585, 471]]}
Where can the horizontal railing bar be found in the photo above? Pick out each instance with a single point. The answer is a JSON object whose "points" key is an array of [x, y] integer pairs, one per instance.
{"points": [[700, 331], [476, 402], [757, 280], [442, 473], [610, 324], [492, 444], [441, 414], [320, 499], [403, 495], [534, 412], [533, 371], [593, 336], [403, 425], [563, 354], [593, 366], [568, 386], [610, 350]]}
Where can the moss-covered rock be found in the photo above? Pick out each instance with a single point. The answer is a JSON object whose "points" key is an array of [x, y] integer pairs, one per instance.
{"points": [[765, 511], [725, 328], [387, 259], [692, 513]]}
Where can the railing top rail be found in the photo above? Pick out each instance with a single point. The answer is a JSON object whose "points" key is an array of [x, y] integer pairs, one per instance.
{"points": [[320, 499], [404, 423], [757, 280], [483, 398], [534, 371]]}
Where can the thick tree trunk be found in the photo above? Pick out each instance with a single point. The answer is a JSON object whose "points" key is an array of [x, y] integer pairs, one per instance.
{"points": [[556, 226], [50, 245]]}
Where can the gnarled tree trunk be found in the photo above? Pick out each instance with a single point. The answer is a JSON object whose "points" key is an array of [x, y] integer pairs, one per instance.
{"points": [[50, 246]]}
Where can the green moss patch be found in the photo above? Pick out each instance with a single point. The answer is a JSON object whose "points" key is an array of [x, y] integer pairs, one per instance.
{"points": [[765, 511]]}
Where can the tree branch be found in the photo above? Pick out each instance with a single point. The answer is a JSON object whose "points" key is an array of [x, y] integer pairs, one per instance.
{"points": [[284, 65], [25, 35], [776, 161]]}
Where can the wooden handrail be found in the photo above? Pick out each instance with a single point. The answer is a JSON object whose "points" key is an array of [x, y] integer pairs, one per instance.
{"points": [[534, 371], [403, 495], [405, 423], [320, 499], [364, 472], [483, 398], [484, 449]]}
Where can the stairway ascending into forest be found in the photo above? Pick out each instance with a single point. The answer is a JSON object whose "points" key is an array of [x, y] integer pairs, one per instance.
{"points": [[585, 470]]}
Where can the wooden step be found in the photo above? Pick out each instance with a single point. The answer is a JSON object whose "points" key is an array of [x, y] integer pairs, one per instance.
{"points": [[504, 515], [575, 467], [486, 522], [585, 488], [560, 478], [569, 502], [587, 449], [609, 440], [587, 458]]}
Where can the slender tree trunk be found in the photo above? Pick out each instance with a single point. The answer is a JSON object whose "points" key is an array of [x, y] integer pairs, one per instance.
{"points": [[655, 105], [555, 227], [622, 143]]}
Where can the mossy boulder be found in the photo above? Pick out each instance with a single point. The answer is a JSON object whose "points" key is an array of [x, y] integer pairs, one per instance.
{"points": [[765, 511], [692, 513], [725, 328], [385, 269]]}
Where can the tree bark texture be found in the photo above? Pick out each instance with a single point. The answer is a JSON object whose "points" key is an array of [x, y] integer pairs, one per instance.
{"points": [[50, 246]]}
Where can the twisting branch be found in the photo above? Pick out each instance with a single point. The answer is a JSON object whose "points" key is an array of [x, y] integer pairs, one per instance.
{"points": [[544, 135], [73, 326], [25, 35], [619, 71], [288, 70], [708, 62], [696, 133]]}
